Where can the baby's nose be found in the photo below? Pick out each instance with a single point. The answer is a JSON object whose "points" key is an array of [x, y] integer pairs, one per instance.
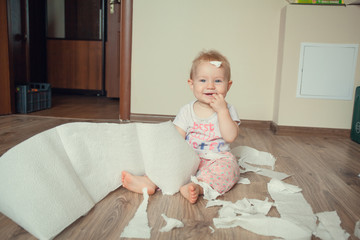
{"points": [[211, 84]]}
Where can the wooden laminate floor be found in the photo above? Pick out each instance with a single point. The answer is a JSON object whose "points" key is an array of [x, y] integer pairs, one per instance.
{"points": [[325, 168], [81, 107]]}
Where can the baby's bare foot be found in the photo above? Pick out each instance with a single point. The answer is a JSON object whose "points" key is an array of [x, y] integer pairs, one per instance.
{"points": [[191, 192], [137, 183]]}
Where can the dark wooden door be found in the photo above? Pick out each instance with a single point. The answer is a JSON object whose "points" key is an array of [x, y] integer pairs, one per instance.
{"points": [[27, 40], [18, 41]]}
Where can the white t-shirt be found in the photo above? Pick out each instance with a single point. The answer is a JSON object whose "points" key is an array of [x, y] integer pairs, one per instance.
{"points": [[203, 134]]}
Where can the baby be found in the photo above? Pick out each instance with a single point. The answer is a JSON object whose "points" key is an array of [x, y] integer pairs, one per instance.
{"points": [[209, 124]]}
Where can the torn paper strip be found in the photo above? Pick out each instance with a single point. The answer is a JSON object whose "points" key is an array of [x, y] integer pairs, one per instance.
{"points": [[259, 206], [292, 205], [263, 171], [216, 202], [357, 229], [263, 225], [244, 206], [227, 211], [248, 168], [138, 226], [243, 180], [272, 174], [251, 155], [216, 63], [280, 186], [209, 192], [170, 224], [211, 155], [329, 227]]}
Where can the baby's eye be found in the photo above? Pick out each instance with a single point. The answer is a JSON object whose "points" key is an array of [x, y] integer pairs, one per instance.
{"points": [[218, 81], [202, 80]]}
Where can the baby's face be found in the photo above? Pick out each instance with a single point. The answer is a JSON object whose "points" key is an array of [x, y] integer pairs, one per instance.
{"points": [[208, 80]]}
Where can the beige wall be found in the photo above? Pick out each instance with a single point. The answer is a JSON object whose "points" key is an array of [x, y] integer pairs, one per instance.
{"points": [[315, 24], [167, 35]]}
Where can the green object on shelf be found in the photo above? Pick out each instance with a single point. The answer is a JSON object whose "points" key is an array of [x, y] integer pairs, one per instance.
{"points": [[329, 1], [355, 128]]}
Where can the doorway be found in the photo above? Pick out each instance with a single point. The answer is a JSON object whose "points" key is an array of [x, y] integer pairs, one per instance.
{"points": [[81, 54]]}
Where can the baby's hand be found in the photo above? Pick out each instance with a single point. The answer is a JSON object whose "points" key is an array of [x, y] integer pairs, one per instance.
{"points": [[218, 103]]}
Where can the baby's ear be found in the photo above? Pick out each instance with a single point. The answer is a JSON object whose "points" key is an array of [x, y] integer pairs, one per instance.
{"points": [[229, 85], [191, 83]]}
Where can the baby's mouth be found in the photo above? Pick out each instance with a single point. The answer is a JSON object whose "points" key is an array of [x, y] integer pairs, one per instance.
{"points": [[209, 94]]}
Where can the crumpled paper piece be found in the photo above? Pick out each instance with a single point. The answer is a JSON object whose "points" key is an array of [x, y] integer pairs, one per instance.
{"points": [[138, 226], [244, 207], [251, 155], [329, 227], [264, 225], [357, 229], [170, 224], [243, 180], [292, 205], [209, 192], [216, 63], [262, 171], [210, 155], [279, 186]]}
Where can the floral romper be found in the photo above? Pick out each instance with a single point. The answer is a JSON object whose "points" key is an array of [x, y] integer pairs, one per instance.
{"points": [[218, 167]]}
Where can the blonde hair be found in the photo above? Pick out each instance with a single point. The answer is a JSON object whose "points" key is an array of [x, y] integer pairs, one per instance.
{"points": [[208, 56]]}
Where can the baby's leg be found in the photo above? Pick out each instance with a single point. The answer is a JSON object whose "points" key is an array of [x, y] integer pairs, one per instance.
{"points": [[221, 174], [137, 183], [191, 192]]}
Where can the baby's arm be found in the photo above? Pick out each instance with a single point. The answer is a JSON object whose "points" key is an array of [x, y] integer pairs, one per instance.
{"points": [[228, 127], [182, 132]]}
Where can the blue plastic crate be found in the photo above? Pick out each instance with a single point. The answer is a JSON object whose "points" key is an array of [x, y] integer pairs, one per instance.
{"points": [[33, 97]]}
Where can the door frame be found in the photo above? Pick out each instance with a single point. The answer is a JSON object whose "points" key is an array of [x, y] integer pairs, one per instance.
{"points": [[125, 59], [5, 86]]}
